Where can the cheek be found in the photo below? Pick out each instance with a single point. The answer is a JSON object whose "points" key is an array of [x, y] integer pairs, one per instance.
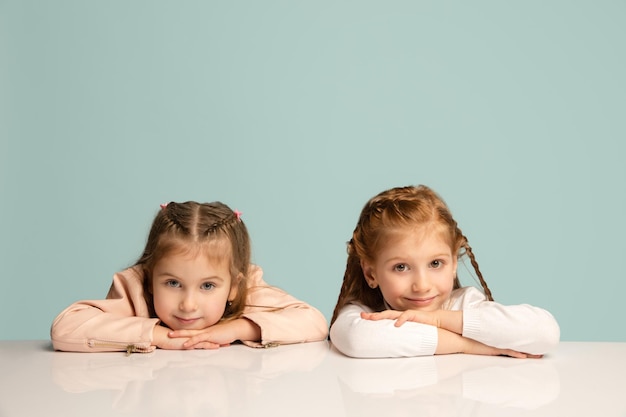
{"points": [[391, 290], [160, 302], [214, 308], [163, 308], [447, 285], [217, 309]]}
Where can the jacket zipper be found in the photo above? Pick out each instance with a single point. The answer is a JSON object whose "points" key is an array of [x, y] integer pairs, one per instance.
{"points": [[129, 348]]}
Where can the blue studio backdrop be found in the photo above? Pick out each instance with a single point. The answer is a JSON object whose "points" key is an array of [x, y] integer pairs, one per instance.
{"points": [[296, 113]]}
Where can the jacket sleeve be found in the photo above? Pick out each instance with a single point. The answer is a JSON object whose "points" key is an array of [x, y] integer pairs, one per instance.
{"points": [[120, 322], [282, 318], [360, 338], [524, 328]]}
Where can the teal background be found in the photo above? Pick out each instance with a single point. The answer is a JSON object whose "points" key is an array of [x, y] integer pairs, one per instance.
{"points": [[296, 113]]}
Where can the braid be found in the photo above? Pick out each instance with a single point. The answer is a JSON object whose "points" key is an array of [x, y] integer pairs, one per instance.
{"points": [[169, 212], [470, 254], [172, 217], [226, 221]]}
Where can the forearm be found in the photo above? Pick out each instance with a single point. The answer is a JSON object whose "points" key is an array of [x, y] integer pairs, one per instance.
{"points": [[245, 330], [88, 329], [362, 338], [520, 327], [120, 320], [282, 318], [162, 340], [289, 325], [450, 342], [451, 320]]}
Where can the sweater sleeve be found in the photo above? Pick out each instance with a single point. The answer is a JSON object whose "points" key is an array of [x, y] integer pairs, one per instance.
{"points": [[282, 318], [118, 323], [360, 338], [522, 327]]}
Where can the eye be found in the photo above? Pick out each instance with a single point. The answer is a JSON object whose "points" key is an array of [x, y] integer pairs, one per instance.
{"points": [[400, 267], [207, 286], [172, 283], [436, 264]]}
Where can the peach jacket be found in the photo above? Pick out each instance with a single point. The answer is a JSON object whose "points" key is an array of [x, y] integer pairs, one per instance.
{"points": [[122, 321]]}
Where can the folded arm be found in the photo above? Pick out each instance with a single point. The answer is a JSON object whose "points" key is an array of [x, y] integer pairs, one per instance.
{"points": [[358, 332], [120, 322], [271, 317]]}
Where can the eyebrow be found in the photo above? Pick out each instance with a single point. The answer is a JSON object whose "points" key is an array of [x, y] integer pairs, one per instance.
{"points": [[441, 255], [435, 256], [211, 278]]}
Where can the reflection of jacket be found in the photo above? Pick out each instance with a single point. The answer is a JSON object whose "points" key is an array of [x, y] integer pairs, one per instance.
{"points": [[234, 381], [122, 320], [523, 327]]}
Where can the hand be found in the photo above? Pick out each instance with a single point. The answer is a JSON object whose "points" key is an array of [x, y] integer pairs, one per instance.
{"points": [[477, 348], [401, 317], [450, 342], [220, 334], [163, 339]]}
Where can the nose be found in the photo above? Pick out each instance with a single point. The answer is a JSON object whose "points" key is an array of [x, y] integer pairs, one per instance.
{"points": [[421, 283], [188, 302]]}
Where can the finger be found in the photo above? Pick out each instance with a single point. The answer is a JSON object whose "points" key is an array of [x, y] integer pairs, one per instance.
{"points": [[181, 333], [516, 354], [366, 316], [202, 338], [381, 315], [206, 345], [372, 316], [401, 320], [200, 342]]}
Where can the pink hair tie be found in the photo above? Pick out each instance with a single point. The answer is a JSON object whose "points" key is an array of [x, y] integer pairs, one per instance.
{"points": [[238, 214]]}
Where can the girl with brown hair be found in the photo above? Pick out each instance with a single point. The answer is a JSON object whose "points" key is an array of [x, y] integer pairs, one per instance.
{"points": [[192, 288]]}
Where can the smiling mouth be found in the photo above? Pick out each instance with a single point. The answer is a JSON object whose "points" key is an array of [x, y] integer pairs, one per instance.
{"points": [[187, 321], [421, 301]]}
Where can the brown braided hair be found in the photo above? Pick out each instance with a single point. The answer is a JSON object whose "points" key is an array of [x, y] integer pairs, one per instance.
{"points": [[209, 227], [392, 210]]}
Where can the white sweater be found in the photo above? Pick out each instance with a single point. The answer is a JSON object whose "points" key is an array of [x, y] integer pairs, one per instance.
{"points": [[523, 328]]}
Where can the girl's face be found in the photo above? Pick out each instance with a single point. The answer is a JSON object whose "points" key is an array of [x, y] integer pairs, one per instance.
{"points": [[414, 271], [190, 292]]}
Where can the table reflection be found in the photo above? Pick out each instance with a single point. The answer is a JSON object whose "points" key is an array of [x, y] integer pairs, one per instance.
{"points": [[217, 383], [309, 380], [448, 385]]}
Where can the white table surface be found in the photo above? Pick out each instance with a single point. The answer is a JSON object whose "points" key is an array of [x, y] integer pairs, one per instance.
{"points": [[313, 379]]}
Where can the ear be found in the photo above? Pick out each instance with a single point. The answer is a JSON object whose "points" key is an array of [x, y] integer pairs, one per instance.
{"points": [[234, 287], [368, 273]]}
